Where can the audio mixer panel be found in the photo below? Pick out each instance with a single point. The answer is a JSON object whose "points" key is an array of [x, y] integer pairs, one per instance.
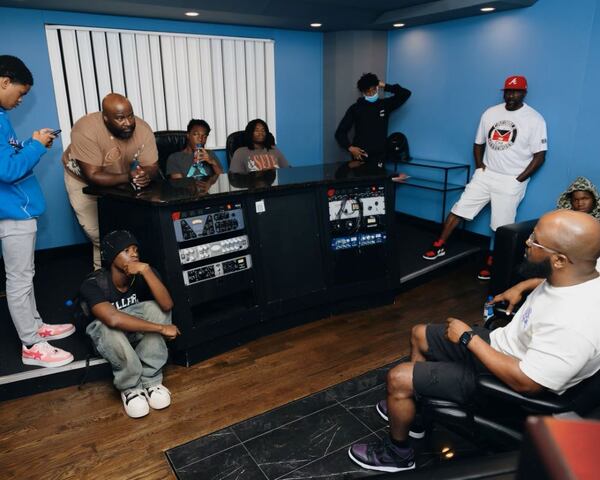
{"points": [[207, 221], [358, 240], [216, 270], [204, 234], [213, 249], [356, 216]]}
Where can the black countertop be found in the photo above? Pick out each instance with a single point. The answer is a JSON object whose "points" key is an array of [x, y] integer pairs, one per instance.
{"points": [[169, 192]]}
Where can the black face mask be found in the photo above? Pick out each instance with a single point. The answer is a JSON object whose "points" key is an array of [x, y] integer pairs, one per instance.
{"points": [[529, 269]]}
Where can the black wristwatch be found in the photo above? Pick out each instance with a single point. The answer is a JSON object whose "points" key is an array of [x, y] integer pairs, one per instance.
{"points": [[466, 337]]}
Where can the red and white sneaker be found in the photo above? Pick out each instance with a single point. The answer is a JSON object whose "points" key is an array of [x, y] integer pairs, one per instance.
{"points": [[437, 250], [486, 272], [55, 332], [43, 354]]}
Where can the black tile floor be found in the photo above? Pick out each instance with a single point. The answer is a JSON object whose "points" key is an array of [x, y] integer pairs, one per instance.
{"points": [[307, 438]]}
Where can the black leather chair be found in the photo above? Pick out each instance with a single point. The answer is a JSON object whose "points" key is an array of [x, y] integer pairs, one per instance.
{"points": [[168, 142], [235, 140], [509, 248], [496, 417]]}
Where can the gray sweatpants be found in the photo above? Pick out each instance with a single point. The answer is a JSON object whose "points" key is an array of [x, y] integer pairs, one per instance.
{"points": [[18, 250]]}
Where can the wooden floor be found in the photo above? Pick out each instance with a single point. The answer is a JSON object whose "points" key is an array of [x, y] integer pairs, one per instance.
{"points": [[72, 433]]}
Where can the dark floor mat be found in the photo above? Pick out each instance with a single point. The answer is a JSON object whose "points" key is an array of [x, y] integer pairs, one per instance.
{"points": [[307, 438]]}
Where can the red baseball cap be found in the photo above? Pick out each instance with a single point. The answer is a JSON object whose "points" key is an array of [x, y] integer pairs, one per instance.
{"points": [[515, 82]]}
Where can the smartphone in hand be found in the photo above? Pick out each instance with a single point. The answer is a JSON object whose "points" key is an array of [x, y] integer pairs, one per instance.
{"points": [[56, 132]]}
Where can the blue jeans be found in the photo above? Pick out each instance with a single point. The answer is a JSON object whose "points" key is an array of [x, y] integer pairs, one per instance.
{"points": [[136, 358]]}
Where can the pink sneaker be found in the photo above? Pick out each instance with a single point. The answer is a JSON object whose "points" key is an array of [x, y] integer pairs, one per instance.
{"points": [[43, 354], [55, 332]]}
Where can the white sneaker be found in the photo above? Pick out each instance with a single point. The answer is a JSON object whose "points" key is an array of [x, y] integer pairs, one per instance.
{"points": [[159, 396], [135, 403]]}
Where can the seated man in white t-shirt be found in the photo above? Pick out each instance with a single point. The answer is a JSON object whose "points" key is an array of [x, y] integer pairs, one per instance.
{"points": [[552, 343], [510, 145]]}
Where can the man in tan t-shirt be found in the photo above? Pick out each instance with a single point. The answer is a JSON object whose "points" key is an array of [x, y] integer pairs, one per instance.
{"points": [[107, 148]]}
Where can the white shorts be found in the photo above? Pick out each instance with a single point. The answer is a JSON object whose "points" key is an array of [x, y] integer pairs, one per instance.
{"points": [[504, 191]]}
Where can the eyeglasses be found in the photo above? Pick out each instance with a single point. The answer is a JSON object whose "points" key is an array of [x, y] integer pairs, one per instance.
{"points": [[530, 242]]}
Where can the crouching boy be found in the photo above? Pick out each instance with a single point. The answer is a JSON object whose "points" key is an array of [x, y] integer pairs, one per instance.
{"points": [[132, 317]]}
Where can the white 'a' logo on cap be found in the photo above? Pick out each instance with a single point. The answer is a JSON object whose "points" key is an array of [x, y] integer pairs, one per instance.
{"points": [[513, 81]]}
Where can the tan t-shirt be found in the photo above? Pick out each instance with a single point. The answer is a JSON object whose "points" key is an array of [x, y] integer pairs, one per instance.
{"points": [[92, 143]]}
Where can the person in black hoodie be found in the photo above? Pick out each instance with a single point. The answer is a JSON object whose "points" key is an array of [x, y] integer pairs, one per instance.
{"points": [[369, 116]]}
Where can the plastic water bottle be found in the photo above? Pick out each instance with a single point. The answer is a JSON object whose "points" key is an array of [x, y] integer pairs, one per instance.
{"points": [[133, 167], [197, 151], [488, 308]]}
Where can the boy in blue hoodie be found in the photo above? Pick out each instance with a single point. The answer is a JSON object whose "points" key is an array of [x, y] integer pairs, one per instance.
{"points": [[21, 202]]}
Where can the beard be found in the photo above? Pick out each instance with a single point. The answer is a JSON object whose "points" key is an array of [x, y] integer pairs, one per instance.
{"points": [[529, 269], [122, 134]]}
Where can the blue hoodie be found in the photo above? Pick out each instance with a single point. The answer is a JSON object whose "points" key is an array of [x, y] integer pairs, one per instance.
{"points": [[21, 197]]}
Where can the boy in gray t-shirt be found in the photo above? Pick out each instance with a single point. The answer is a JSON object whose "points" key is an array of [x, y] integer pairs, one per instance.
{"points": [[194, 160], [182, 165]]}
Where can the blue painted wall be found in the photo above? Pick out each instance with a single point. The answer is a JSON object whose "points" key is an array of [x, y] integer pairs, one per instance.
{"points": [[456, 69], [298, 84]]}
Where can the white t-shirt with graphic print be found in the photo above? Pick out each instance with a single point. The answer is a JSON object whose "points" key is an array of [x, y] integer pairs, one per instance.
{"points": [[555, 335], [511, 138]]}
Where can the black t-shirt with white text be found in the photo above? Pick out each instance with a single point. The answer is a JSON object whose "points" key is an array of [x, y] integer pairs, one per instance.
{"points": [[93, 293]]}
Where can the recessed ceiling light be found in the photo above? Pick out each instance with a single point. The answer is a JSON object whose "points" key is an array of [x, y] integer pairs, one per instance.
{"points": [[398, 25], [192, 14], [488, 9], [316, 25]]}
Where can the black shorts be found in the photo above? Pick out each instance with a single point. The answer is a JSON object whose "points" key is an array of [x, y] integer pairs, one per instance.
{"points": [[451, 370]]}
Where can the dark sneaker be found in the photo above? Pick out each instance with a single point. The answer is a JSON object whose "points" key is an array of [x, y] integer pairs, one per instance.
{"points": [[437, 250], [382, 456], [417, 431], [486, 272], [382, 410]]}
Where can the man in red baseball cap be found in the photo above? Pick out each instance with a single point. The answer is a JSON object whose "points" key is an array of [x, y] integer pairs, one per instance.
{"points": [[510, 145]]}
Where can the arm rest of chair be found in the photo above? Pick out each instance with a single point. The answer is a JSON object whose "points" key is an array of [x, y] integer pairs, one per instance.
{"points": [[443, 408], [438, 403], [546, 402]]}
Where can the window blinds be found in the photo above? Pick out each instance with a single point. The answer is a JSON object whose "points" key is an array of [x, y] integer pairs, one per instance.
{"points": [[169, 78]]}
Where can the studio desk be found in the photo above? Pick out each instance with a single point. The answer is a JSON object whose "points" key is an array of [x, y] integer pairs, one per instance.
{"points": [[247, 255]]}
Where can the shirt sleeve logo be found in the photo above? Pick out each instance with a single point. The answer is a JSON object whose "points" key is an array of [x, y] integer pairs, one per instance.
{"points": [[14, 143]]}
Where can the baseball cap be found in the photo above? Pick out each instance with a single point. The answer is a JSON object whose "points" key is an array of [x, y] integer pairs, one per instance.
{"points": [[114, 243], [515, 82]]}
